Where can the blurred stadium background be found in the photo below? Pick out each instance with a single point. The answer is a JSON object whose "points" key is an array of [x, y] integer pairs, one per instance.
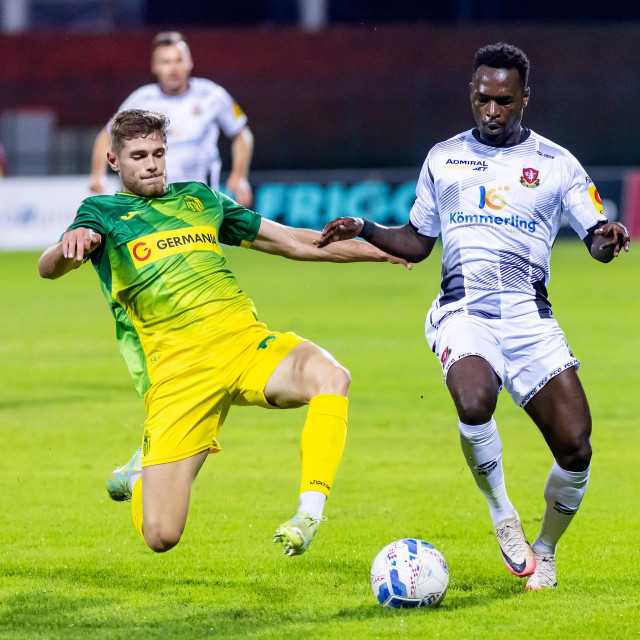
{"points": [[345, 97]]}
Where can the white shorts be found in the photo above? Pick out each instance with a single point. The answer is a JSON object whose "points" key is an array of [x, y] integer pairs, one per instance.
{"points": [[525, 352]]}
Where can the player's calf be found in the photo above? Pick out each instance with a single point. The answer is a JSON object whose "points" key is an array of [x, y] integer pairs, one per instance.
{"points": [[310, 375]]}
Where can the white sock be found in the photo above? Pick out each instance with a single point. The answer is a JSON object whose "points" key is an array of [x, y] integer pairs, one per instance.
{"points": [[133, 479], [312, 502], [563, 494], [482, 450]]}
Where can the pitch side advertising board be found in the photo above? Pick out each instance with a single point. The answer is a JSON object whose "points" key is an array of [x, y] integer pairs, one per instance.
{"points": [[34, 211]]}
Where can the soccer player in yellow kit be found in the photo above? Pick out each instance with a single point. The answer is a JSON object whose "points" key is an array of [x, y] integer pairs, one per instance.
{"points": [[190, 335]]}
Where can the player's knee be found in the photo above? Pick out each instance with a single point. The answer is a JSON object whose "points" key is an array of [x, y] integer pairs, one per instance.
{"points": [[575, 456], [340, 380], [475, 405], [330, 378], [161, 538]]}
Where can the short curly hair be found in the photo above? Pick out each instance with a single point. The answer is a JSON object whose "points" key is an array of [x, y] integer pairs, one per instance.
{"points": [[503, 56], [136, 123]]}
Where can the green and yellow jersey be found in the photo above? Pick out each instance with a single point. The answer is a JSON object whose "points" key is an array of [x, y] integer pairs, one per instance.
{"points": [[165, 275]]}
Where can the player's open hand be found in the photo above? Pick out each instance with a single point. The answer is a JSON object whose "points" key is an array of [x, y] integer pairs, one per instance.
{"points": [[98, 184], [617, 235], [341, 229], [396, 260], [78, 242], [241, 190]]}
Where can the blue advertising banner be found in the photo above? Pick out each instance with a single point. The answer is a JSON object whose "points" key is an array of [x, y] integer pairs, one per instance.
{"points": [[36, 210], [311, 199]]}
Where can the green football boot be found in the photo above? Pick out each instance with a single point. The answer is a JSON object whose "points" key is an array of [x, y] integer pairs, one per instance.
{"points": [[118, 482], [296, 534]]}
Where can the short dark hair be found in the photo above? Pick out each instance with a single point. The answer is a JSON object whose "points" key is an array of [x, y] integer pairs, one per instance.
{"points": [[136, 123], [166, 39], [503, 56]]}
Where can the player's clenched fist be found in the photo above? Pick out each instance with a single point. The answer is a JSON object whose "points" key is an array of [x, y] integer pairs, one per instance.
{"points": [[78, 242], [617, 235], [340, 229]]}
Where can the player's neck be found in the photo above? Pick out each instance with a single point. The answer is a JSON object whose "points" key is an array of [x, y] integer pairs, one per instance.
{"points": [[518, 136], [175, 92]]}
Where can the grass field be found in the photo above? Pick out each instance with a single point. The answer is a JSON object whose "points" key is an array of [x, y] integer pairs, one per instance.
{"points": [[72, 565]]}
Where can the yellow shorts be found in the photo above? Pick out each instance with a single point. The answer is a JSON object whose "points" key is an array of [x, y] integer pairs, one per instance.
{"points": [[186, 411]]}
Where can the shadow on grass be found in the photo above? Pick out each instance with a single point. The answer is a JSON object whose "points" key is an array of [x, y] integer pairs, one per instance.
{"points": [[113, 602], [106, 392], [39, 402]]}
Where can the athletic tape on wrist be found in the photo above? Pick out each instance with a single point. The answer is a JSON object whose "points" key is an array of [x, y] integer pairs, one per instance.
{"points": [[368, 228]]}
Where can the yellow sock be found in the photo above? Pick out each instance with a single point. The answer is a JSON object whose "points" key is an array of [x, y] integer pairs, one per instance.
{"points": [[136, 506], [322, 441]]}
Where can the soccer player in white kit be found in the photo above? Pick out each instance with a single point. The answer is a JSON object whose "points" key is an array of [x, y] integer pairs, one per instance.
{"points": [[496, 194], [197, 109]]}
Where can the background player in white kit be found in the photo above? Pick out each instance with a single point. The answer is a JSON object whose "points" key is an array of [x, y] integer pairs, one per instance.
{"points": [[197, 109], [496, 194]]}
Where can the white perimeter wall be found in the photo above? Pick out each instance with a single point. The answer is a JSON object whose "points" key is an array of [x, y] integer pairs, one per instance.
{"points": [[34, 212]]}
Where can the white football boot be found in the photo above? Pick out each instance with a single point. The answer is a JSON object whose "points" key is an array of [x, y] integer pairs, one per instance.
{"points": [[517, 554], [545, 574]]}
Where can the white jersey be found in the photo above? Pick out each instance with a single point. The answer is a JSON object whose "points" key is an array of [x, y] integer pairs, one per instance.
{"points": [[196, 119], [499, 209]]}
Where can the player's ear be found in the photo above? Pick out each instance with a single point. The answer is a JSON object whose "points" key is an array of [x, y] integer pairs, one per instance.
{"points": [[526, 94], [153, 63], [112, 159]]}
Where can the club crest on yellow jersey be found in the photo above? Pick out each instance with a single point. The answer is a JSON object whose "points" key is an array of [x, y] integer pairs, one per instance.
{"points": [[195, 204]]}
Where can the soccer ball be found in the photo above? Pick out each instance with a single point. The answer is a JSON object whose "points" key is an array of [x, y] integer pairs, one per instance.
{"points": [[409, 573]]}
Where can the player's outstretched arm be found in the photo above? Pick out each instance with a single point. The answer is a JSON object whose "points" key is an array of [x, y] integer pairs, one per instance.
{"points": [[99, 162], [302, 244], [404, 242], [238, 181], [609, 240], [69, 253]]}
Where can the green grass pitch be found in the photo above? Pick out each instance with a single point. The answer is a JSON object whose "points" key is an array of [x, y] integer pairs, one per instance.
{"points": [[72, 565]]}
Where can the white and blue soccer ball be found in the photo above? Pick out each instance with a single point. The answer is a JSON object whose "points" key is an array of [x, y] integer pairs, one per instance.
{"points": [[409, 573]]}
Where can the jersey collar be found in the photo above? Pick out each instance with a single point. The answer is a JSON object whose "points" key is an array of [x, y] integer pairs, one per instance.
{"points": [[136, 195], [476, 134]]}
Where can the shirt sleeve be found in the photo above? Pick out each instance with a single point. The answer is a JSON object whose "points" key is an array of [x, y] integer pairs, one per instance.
{"points": [[89, 216], [581, 202], [230, 116], [424, 214], [240, 226]]}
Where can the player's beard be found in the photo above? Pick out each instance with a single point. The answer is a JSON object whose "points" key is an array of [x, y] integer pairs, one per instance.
{"points": [[150, 188]]}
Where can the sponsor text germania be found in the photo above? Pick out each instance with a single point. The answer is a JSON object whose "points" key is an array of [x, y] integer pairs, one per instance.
{"points": [[162, 244]]}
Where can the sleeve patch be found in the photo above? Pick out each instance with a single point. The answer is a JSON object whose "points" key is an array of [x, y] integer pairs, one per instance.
{"points": [[237, 111], [595, 197]]}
